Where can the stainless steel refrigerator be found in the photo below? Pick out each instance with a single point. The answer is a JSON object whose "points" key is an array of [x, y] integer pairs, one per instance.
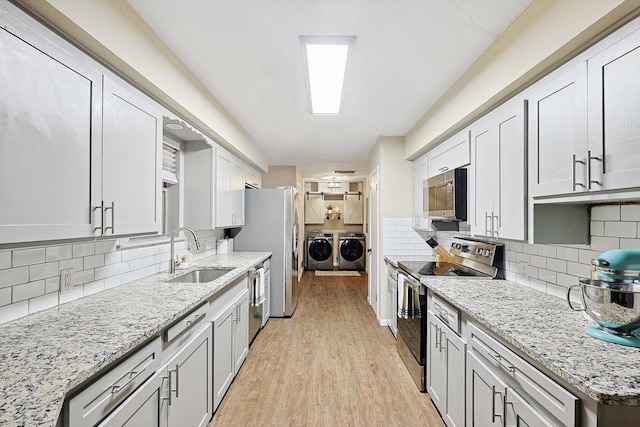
{"points": [[272, 224]]}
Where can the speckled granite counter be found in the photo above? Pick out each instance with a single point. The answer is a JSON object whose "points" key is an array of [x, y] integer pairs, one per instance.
{"points": [[45, 355], [544, 328]]}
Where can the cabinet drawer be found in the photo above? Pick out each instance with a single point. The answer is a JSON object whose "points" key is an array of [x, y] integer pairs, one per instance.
{"points": [[448, 314], [96, 401], [524, 377], [186, 322]]}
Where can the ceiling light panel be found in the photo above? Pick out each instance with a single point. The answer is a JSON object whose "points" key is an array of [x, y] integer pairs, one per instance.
{"points": [[326, 61]]}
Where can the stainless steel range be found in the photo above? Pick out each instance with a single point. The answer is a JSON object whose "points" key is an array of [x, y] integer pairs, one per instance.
{"points": [[472, 258]]}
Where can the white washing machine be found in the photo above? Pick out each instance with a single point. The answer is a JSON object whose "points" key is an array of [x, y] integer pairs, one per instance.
{"points": [[351, 251], [320, 251]]}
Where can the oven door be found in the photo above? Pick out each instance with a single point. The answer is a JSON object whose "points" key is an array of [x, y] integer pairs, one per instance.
{"points": [[412, 313]]}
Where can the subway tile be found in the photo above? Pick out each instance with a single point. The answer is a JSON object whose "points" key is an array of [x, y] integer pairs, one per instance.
{"points": [[629, 243], [522, 257], [5, 296], [585, 256], [76, 263], [557, 265], [578, 269], [515, 246], [135, 275], [52, 284], [154, 269], [630, 212], [93, 287], [82, 277], [138, 253], [538, 285], [42, 271], [57, 253], [93, 261], [532, 272], [510, 276], [74, 294], [27, 291], [522, 280], [530, 249], [538, 261], [604, 243], [113, 281], [112, 258], [22, 257], [14, 276], [5, 259], [84, 249], [547, 251], [547, 275], [556, 291], [43, 302], [566, 281], [509, 256], [597, 228], [568, 254], [105, 246], [620, 229], [103, 272], [13, 311], [516, 267], [605, 213]]}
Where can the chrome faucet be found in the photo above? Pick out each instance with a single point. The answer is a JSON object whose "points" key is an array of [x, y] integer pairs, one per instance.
{"points": [[172, 265]]}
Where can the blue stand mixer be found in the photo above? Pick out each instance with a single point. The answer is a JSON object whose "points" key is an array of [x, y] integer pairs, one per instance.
{"points": [[613, 299]]}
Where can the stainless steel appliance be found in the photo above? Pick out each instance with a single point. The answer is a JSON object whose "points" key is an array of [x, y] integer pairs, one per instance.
{"points": [[612, 300], [256, 300], [471, 258], [351, 251], [272, 224], [444, 196], [320, 251], [266, 312]]}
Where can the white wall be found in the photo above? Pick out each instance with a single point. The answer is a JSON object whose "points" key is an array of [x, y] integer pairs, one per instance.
{"points": [[114, 32], [543, 35]]}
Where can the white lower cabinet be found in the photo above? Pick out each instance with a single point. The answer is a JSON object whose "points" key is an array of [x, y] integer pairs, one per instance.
{"points": [[231, 337], [485, 395], [445, 371]]}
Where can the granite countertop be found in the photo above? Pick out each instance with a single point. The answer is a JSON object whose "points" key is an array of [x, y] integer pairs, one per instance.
{"points": [[47, 354], [544, 328]]}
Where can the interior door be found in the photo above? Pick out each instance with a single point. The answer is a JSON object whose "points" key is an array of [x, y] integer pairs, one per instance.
{"points": [[373, 261]]}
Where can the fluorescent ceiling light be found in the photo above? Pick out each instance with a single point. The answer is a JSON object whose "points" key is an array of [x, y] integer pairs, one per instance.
{"points": [[326, 62]]}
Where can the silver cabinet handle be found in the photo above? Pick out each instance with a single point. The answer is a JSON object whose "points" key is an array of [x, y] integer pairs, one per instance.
{"points": [[101, 207], [168, 378], [171, 390], [494, 415], [494, 231], [442, 341], [575, 184], [195, 318], [589, 159], [444, 168], [115, 388], [437, 336], [502, 362], [113, 214]]}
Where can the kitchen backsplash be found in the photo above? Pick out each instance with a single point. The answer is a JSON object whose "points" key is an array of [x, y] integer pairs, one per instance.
{"points": [[546, 268], [30, 277]]}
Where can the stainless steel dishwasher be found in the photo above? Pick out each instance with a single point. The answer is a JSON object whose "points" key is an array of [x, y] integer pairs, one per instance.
{"points": [[256, 303]]}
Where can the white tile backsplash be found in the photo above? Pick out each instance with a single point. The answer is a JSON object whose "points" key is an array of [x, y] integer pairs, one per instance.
{"points": [[606, 213], [30, 277], [630, 213], [620, 229]]}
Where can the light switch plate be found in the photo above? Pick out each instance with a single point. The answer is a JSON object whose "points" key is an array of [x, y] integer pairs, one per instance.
{"points": [[66, 280]]}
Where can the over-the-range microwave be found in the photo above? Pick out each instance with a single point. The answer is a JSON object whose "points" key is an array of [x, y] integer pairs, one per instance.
{"points": [[444, 196]]}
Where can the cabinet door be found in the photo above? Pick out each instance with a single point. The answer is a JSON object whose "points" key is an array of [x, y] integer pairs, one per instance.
{"points": [[450, 154], [484, 178], [353, 208], [266, 312], [131, 177], [223, 362], [436, 364], [191, 382], [455, 349], [485, 395], [313, 209], [50, 134], [521, 414], [510, 205], [224, 178], [199, 186], [614, 115], [146, 407], [241, 331], [557, 134]]}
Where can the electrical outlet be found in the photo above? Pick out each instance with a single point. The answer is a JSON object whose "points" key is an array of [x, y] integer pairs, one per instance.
{"points": [[66, 280]]}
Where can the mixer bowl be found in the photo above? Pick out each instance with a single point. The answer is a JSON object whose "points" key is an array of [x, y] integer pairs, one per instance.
{"points": [[615, 308]]}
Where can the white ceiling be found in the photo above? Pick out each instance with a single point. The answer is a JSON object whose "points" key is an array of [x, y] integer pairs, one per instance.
{"points": [[407, 53]]}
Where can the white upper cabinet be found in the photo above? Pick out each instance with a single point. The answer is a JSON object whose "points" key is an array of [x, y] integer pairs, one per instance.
{"points": [[229, 189], [558, 133], [497, 190], [252, 177], [614, 114], [132, 162], [353, 208], [314, 209], [199, 186], [74, 161], [450, 154], [50, 134]]}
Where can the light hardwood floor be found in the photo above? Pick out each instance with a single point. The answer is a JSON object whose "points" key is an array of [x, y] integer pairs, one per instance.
{"points": [[330, 364]]}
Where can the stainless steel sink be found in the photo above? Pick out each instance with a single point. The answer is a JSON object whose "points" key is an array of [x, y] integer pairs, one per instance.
{"points": [[201, 275]]}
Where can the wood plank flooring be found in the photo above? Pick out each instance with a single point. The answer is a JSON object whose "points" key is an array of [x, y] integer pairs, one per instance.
{"points": [[331, 364]]}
